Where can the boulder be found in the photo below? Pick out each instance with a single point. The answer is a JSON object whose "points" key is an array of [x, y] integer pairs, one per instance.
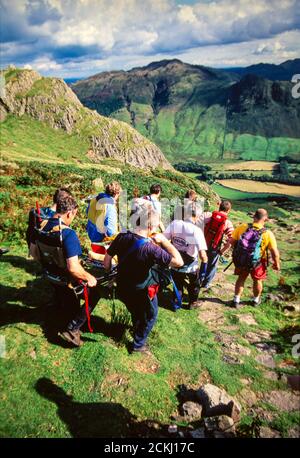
{"points": [[266, 360], [216, 401], [221, 423], [283, 400], [191, 410], [268, 433], [294, 382]]}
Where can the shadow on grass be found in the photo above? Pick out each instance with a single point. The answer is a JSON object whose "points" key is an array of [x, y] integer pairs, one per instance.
{"points": [[98, 419], [40, 305]]}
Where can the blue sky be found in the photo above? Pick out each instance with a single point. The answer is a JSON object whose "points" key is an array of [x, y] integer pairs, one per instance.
{"points": [[77, 38]]}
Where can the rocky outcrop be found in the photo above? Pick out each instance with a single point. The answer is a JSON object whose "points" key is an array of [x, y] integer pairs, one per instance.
{"points": [[50, 100]]}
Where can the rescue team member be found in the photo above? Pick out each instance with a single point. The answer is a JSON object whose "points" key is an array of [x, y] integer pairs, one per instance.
{"points": [[103, 215], [252, 243], [37, 215], [137, 253], [216, 227], [66, 210], [190, 242], [153, 197]]}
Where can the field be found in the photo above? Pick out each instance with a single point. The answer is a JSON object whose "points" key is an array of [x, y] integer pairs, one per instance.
{"points": [[261, 187], [235, 194], [251, 166], [99, 390]]}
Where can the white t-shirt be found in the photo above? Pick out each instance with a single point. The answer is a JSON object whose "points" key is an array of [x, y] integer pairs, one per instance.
{"points": [[189, 238]]}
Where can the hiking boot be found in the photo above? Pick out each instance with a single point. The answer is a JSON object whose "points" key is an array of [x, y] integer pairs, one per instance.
{"points": [[144, 349], [236, 305], [256, 303], [72, 336]]}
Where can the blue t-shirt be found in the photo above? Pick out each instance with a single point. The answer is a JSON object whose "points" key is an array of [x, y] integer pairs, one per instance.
{"points": [[70, 240], [135, 268]]}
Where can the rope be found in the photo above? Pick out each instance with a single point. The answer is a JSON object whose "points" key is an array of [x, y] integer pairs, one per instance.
{"points": [[86, 300]]}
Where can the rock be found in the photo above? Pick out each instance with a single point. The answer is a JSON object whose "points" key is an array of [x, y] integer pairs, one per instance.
{"points": [[98, 184], [264, 415], [247, 397], [52, 101], [277, 298], [266, 360], [271, 375], [266, 347], [212, 316], [172, 429], [294, 433], [283, 400], [294, 382], [198, 433], [257, 336], [247, 319], [266, 433], [192, 410], [220, 423], [216, 401], [293, 307]]}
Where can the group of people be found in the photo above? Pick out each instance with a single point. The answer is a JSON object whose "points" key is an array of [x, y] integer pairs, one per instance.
{"points": [[189, 248]]}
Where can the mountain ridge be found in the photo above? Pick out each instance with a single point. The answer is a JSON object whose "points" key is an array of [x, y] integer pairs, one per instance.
{"points": [[195, 112]]}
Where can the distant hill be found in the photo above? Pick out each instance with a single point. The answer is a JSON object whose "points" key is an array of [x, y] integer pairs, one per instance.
{"points": [[281, 72], [51, 101], [196, 112]]}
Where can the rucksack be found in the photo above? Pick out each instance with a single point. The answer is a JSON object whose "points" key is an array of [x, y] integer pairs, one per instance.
{"points": [[214, 230], [247, 251]]}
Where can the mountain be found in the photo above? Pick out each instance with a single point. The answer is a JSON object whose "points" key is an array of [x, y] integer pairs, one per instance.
{"points": [[51, 101], [281, 72], [195, 112]]}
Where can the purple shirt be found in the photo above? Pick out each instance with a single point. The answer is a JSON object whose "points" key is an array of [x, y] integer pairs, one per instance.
{"points": [[136, 266]]}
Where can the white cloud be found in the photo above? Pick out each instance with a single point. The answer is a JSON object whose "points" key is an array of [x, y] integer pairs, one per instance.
{"points": [[81, 33]]}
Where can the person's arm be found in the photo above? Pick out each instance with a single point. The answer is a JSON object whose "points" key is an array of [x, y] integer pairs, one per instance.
{"points": [[111, 221], [176, 260], [161, 226], [107, 262], [203, 256], [78, 272], [229, 243], [275, 258]]}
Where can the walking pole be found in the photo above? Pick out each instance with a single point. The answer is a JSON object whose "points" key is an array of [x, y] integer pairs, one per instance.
{"points": [[227, 267]]}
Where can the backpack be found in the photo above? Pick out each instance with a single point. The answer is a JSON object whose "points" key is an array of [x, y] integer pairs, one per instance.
{"points": [[247, 251], [35, 218], [51, 252], [214, 230]]}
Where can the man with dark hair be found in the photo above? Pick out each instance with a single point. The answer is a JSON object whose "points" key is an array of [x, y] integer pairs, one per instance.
{"points": [[58, 249], [252, 243], [137, 254], [153, 197], [103, 216], [216, 226], [39, 214], [191, 195]]}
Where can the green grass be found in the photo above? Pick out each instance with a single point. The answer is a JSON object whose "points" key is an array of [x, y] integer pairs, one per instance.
{"points": [[27, 139], [234, 194]]}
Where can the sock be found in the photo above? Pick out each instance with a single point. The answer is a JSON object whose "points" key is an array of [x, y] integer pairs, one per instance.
{"points": [[237, 299], [256, 299]]}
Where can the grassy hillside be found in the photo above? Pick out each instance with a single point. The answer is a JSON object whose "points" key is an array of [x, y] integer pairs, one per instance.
{"points": [[194, 112], [99, 390]]}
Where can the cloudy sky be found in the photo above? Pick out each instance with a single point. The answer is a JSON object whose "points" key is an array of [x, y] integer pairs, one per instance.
{"points": [[76, 38]]}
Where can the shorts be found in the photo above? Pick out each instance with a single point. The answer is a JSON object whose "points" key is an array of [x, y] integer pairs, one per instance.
{"points": [[258, 273]]}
